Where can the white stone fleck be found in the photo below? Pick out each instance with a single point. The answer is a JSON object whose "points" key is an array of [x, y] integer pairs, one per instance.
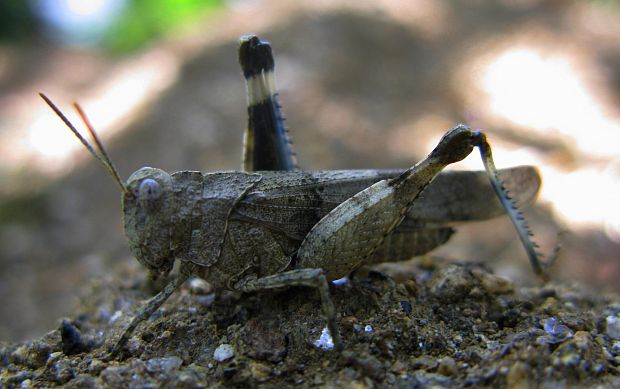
{"points": [[223, 352], [115, 316], [325, 341], [199, 286], [613, 326]]}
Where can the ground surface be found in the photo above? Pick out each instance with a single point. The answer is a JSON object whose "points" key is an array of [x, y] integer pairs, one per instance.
{"points": [[440, 324], [363, 84]]}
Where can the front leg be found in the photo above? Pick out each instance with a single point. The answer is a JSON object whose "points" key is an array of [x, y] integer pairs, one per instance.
{"points": [[146, 310], [300, 277]]}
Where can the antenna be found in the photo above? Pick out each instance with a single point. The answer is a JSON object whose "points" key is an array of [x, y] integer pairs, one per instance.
{"points": [[103, 155]]}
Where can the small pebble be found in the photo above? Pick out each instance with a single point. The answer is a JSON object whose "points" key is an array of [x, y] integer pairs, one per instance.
{"points": [[95, 367], [55, 356], [165, 364], [325, 341], [115, 316], [205, 300], [199, 286], [425, 362], [492, 283], [406, 306], [447, 367], [519, 376], [72, 342], [20, 354], [368, 329], [260, 371], [556, 332], [452, 284], [223, 352], [582, 340], [412, 288], [613, 327], [349, 323]]}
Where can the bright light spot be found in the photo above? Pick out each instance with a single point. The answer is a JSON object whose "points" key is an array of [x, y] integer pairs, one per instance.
{"points": [[134, 85], [585, 198], [78, 21], [529, 89], [541, 90], [86, 7], [546, 93], [49, 146], [46, 140], [567, 193]]}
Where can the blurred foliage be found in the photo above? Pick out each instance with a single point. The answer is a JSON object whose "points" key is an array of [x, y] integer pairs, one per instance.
{"points": [[143, 21], [28, 208], [139, 23], [612, 3], [17, 20]]}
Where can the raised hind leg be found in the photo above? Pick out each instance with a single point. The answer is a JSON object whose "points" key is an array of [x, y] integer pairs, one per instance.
{"points": [[266, 144], [351, 233]]}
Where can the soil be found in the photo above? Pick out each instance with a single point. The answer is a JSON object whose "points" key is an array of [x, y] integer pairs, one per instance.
{"points": [[434, 324]]}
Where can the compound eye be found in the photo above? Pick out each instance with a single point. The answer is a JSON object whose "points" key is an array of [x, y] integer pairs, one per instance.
{"points": [[149, 190]]}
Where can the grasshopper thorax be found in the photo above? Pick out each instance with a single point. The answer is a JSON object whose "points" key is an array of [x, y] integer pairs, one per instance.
{"points": [[148, 208]]}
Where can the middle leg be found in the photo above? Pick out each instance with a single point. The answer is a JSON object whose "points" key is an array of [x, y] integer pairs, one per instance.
{"points": [[300, 277]]}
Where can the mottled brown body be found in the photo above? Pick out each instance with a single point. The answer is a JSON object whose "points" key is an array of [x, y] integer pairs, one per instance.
{"points": [[274, 211]]}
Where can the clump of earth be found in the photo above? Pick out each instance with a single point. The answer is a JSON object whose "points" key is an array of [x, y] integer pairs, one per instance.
{"points": [[444, 324]]}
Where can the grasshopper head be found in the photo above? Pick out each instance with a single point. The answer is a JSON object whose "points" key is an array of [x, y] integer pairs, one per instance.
{"points": [[147, 203], [148, 210]]}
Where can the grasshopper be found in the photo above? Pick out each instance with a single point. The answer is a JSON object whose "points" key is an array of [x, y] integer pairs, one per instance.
{"points": [[274, 226]]}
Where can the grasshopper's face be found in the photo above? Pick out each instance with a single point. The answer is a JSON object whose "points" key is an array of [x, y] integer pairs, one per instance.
{"points": [[148, 210]]}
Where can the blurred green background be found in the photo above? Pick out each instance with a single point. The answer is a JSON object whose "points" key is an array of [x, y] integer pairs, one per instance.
{"points": [[117, 26]]}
